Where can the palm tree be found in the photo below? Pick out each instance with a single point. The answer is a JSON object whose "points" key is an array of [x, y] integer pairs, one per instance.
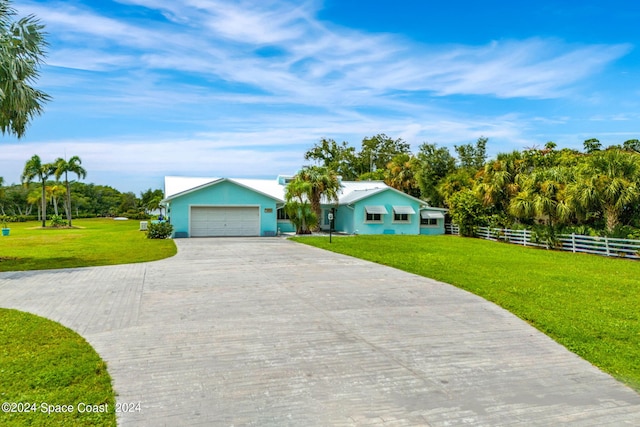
{"points": [[35, 168], [497, 183], [64, 167], [21, 52], [323, 182], [54, 193], [543, 194], [607, 181], [401, 174], [297, 205]]}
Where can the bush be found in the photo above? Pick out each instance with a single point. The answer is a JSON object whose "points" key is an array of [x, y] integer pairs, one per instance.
{"points": [[135, 214], [57, 221], [160, 230], [467, 212]]}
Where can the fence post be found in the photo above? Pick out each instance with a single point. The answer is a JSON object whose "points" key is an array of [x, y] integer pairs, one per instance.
{"points": [[606, 244], [573, 242], [524, 237]]}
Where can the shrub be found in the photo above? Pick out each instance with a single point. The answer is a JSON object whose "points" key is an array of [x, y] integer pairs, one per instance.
{"points": [[160, 230], [467, 211], [135, 214], [57, 221]]}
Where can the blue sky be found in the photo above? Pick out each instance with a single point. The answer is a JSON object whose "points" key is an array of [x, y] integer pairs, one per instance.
{"points": [[147, 88]]}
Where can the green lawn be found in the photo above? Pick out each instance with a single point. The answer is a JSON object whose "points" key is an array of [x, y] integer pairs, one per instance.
{"points": [[42, 362], [46, 368], [588, 303], [93, 242]]}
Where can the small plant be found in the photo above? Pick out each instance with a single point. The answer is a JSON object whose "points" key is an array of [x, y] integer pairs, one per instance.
{"points": [[57, 221], [160, 230], [547, 235]]}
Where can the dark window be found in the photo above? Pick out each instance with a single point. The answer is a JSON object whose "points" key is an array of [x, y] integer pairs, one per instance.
{"points": [[401, 217], [282, 214], [429, 221], [374, 217]]}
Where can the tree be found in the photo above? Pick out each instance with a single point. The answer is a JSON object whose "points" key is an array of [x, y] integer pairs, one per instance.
{"points": [[22, 46], [297, 205], [34, 168], [53, 193], [497, 182], [467, 212], [472, 157], [592, 145], [378, 151], [340, 158], [608, 182], [631, 145], [63, 167], [543, 195], [433, 164], [323, 182], [401, 174]]}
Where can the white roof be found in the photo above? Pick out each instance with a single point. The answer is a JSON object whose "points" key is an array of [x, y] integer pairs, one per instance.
{"points": [[179, 184], [351, 191]]}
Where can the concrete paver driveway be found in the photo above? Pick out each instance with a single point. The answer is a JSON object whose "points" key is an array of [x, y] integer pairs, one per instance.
{"points": [[267, 332]]}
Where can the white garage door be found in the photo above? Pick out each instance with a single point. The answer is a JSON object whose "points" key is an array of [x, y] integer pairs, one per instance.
{"points": [[225, 221]]}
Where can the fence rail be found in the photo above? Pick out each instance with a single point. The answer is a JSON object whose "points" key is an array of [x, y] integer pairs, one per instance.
{"points": [[606, 246]]}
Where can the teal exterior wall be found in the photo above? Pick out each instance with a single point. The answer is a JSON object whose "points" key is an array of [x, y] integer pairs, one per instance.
{"points": [[285, 226], [223, 193], [431, 230], [343, 221], [353, 220]]}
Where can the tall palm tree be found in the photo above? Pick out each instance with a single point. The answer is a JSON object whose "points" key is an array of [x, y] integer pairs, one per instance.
{"points": [[22, 46], [323, 182], [35, 168], [63, 166], [607, 181]]}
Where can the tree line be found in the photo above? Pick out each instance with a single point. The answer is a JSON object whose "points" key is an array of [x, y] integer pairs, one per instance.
{"points": [[593, 191], [49, 188]]}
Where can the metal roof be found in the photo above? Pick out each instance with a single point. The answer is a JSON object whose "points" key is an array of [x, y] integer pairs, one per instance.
{"points": [[351, 191]]}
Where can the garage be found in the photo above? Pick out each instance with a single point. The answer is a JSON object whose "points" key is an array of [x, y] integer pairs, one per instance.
{"points": [[217, 221]]}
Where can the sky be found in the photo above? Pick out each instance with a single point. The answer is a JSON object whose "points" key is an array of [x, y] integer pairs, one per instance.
{"points": [[142, 89]]}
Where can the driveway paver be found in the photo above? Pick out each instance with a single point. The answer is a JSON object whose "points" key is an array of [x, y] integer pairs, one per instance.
{"points": [[268, 332]]}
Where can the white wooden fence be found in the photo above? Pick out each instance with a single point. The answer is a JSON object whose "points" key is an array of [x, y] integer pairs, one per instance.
{"points": [[606, 246]]}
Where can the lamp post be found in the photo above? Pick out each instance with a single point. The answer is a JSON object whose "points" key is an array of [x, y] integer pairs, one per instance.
{"points": [[330, 216]]}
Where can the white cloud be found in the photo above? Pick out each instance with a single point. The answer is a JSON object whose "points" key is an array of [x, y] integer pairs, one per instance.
{"points": [[259, 77]]}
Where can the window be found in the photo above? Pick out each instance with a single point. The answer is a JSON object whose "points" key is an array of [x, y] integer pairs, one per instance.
{"points": [[374, 213], [401, 213], [401, 217], [430, 217], [374, 217], [282, 215], [429, 221]]}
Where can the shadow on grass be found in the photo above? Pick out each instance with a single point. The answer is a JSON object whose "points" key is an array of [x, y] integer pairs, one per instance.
{"points": [[8, 264]]}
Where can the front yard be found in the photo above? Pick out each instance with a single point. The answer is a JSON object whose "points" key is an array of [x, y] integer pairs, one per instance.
{"points": [[587, 303], [99, 241]]}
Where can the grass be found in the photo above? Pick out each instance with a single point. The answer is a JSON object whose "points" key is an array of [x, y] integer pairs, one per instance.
{"points": [[94, 242], [589, 304], [43, 363]]}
